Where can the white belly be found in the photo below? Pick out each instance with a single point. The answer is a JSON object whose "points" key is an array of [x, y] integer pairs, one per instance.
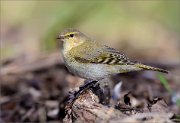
{"points": [[90, 71]]}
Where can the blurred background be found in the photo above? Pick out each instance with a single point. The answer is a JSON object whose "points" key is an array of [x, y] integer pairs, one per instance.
{"points": [[32, 67], [150, 28]]}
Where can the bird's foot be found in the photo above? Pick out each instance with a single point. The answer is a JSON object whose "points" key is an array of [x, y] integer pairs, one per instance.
{"points": [[73, 96]]}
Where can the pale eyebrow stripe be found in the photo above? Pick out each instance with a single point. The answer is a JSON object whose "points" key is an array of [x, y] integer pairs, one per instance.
{"points": [[70, 33]]}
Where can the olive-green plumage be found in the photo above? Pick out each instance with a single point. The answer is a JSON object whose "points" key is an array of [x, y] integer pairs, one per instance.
{"points": [[92, 60]]}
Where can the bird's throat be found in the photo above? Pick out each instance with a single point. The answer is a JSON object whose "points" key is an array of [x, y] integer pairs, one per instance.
{"points": [[68, 45]]}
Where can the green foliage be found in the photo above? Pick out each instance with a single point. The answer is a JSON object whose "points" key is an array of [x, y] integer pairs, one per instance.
{"points": [[74, 16], [110, 19], [165, 83], [178, 103], [115, 15]]}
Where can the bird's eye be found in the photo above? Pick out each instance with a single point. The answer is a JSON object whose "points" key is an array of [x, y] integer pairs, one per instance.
{"points": [[71, 35]]}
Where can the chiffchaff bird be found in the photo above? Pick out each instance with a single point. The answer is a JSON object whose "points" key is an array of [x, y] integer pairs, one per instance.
{"points": [[92, 60]]}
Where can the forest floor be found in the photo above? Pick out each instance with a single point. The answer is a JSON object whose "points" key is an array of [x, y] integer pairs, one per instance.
{"points": [[39, 91]]}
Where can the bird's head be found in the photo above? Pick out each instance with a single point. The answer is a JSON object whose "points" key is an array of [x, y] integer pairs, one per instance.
{"points": [[72, 38], [71, 35]]}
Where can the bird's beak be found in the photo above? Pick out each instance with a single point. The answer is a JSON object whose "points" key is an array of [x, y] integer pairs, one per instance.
{"points": [[60, 37]]}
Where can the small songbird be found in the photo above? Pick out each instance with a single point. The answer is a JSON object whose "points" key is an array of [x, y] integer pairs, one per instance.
{"points": [[92, 60]]}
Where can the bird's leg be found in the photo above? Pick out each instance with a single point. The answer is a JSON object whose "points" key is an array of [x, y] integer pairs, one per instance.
{"points": [[89, 83], [102, 90], [83, 88]]}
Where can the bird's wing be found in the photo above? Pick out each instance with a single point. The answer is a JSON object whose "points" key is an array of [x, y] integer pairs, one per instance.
{"points": [[107, 56]]}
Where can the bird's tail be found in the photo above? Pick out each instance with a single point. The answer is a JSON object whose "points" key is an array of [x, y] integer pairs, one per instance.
{"points": [[146, 67]]}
